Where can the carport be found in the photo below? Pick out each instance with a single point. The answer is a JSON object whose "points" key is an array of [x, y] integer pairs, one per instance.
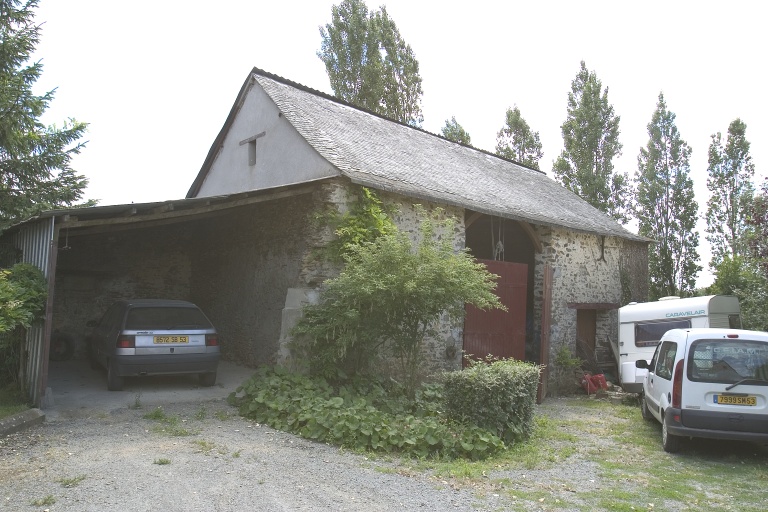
{"points": [[235, 256]]}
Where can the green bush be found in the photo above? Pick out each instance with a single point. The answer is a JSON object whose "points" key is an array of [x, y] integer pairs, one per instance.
{"points": [[389, 298], [361, 415], [23, 293], [497, 395]]}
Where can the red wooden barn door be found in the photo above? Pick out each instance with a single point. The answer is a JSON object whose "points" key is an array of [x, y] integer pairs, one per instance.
{"points": [[496, 332]]}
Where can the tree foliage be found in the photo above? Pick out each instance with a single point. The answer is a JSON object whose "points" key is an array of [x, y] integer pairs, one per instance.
{"points": [[591, 140], [388, 300], [23, 292], [455, 132], [744, 278], [756, 236], [369, 64], [730, 174], [516, 141], [35, 172], [366, 220], [666, 208]]}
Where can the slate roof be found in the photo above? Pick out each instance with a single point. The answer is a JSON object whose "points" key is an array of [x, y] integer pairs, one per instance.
{"points": [[377, 152]]}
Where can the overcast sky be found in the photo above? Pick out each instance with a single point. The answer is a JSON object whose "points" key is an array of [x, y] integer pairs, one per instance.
{"points": [[156, 79]]}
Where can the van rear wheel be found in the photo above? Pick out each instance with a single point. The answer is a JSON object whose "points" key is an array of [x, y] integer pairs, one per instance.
{"points": [[670, 442]]}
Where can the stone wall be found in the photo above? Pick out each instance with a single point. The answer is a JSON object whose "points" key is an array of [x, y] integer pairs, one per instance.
{"points": [[586, 270], [95, 270], [442, 352], [236, 265]]}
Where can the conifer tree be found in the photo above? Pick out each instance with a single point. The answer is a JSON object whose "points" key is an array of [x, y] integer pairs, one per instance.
{"points": [[369, 64], [35, 172], [516, 141], [452, 130], [730, 174], [591, 140], [666, 208]]}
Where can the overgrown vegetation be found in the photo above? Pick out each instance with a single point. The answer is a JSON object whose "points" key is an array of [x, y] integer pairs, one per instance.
{"points": [[388, 300], [564, 370], [365, 415], [11, 401], [366, 220], [23, 292]]}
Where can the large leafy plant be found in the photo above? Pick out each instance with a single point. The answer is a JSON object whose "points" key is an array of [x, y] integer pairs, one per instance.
{"points": [[389, 299]]}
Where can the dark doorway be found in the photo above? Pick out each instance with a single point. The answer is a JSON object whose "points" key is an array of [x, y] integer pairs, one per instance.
{"points": [[507, 249]]}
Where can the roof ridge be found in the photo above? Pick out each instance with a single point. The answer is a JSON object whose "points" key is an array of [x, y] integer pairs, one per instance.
{"points": [[335, 99]]}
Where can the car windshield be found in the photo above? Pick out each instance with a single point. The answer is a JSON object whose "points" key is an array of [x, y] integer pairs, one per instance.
{"points": [[165, 318], [729, 361]]}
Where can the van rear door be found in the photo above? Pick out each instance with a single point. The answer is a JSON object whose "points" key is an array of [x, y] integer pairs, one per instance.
{"points": [[726, 384]]}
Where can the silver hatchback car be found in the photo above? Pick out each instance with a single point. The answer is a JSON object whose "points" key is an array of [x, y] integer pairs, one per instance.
{"points": [[154, 337]]}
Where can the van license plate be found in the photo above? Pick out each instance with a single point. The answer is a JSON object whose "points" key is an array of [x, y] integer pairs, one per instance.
{"points": [[171, 339], [735, 400]]}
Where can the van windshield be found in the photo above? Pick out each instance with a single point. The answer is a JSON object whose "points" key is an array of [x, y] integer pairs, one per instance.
{"points": [[728, 361]]}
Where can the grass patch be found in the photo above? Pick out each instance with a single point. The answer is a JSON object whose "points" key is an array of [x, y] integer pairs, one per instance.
{"points": [[205, 446], [136, 402], [631, 471], [169, 425], [12, 401], [43, 502], [71, 482], [162, 462]]}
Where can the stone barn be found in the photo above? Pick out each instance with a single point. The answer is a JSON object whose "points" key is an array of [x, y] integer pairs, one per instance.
{"points": [[241, 243]]}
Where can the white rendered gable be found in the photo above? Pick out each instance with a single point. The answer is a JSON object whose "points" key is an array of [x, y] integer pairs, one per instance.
{"points": [[262, 150]]}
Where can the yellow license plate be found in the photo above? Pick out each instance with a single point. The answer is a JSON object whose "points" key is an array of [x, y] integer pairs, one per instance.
{"points": [[171, 339], [736, 400]]}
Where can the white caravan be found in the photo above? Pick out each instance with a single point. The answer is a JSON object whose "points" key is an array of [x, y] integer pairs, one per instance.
{"points": [[641, 326]]}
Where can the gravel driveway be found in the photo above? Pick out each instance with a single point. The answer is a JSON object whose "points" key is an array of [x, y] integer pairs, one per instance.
{"points": [[226, 463], [97, 451]]}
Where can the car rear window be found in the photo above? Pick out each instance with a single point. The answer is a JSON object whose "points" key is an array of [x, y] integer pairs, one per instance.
{"points": [[166, 318], [728, 360]]}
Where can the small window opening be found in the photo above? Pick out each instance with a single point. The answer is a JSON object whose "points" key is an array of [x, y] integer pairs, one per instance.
{"points": [[251, 141]]}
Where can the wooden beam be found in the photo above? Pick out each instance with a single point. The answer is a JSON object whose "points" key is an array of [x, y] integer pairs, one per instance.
{"points": [[532, 235], [593, 305]]}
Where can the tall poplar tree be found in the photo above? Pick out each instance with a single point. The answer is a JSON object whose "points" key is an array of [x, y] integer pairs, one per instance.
{"points": [[35, 171], [591, 140], [666, 208], [516, 141], [455, 132], [369, 64], [730, 174]]}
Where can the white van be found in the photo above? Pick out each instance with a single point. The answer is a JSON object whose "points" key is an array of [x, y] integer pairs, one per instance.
{"points": [[641, 326], [710, 383]]}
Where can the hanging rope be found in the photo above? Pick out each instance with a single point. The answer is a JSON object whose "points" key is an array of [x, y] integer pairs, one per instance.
{"points": [[498, 244]]}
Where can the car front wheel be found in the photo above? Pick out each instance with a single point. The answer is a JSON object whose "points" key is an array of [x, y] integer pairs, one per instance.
{"points": [[670, 442]]}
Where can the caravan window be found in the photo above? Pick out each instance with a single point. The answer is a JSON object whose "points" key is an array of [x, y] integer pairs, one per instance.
{"points": [[648, 334]]}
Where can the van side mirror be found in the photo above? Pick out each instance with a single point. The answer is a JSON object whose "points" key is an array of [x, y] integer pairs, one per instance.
{"points": [[641, 363]]}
